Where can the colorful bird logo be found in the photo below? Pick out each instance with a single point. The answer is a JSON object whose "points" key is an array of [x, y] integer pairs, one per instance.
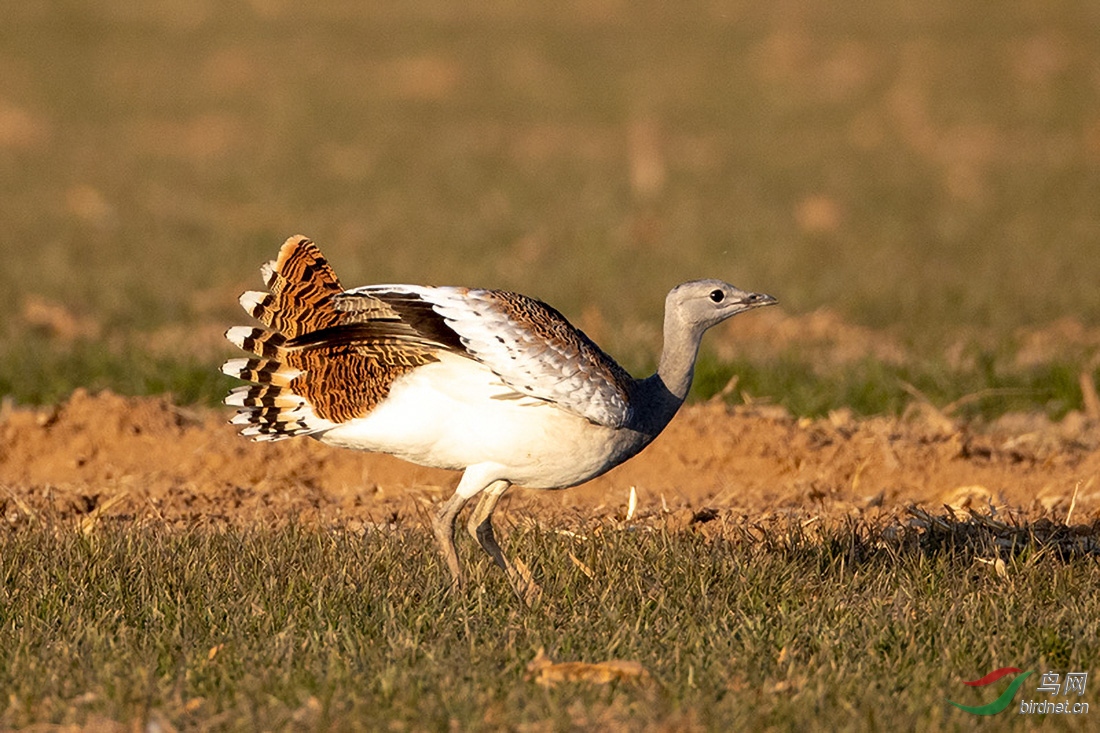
{"points": [[1001, 702]]}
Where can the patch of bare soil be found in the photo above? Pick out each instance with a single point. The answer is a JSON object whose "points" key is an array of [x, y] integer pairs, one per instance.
{"points": [[103, 457]]}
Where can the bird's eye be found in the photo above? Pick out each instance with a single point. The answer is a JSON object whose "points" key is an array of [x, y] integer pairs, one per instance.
{"points": [[717, 296]]}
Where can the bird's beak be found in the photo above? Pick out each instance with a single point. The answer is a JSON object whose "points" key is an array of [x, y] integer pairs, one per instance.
{"points": [[758, 300]]}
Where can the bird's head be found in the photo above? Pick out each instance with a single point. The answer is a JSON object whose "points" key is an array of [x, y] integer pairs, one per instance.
{"points": [[700, 304]]}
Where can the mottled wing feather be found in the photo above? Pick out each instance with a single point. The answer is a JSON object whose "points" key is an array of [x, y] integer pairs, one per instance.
{"points": [[343, 381], [550, 358], [399, 313], [348, 368], [532, 348], [327, 356]]}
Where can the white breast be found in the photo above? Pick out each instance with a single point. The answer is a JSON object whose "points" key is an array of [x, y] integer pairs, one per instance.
{"points": [[456, 413]]}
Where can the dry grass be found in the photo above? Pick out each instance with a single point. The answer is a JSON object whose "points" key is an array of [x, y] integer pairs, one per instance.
{"points": [[725, 626]]}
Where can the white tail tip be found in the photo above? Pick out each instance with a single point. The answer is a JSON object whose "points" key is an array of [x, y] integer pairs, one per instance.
{"points": [[238, 334], [251, 299]]}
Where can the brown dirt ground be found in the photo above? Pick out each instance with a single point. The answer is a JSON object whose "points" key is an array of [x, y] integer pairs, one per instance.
{"points": [[105, 457]]}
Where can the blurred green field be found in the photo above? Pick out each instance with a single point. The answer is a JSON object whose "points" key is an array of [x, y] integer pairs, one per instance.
{"points": [[931, 169]]}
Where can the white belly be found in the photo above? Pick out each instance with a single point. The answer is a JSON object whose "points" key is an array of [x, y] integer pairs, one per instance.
{"points": [[450, 414]]}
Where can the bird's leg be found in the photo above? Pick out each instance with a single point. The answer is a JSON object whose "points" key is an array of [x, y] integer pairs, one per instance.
{"points": [[480, 527], [443, 524]]}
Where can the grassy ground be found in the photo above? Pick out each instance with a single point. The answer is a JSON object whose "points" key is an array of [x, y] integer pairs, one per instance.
{"points": [[850, 628]]}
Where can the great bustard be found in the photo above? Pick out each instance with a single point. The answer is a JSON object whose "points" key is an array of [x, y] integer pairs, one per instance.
{"points": [[493, 383]]}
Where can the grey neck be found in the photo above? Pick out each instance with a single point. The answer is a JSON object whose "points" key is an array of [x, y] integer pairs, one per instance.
{"points": [[677, 367], [664, 392]]}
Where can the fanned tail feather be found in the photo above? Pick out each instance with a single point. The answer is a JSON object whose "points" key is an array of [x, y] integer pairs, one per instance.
{"points": [[299, 300], [269, 408], [260, 371], [300, 289], [258, 341]]}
